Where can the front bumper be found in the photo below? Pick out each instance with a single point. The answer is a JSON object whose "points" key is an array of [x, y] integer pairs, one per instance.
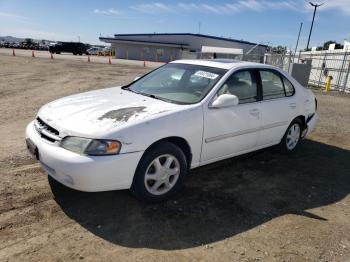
{"points": [[85, 173]]}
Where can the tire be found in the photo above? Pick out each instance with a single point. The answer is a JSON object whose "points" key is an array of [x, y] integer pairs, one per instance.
{"points": [[151, 185], [292, 137]]}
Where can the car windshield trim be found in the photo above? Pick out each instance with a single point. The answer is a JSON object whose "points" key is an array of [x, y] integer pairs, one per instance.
{"points": [[214, 74]]}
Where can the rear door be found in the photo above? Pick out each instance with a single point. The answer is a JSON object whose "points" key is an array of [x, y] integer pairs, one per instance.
{"points": [[278, 106], [233, 130]]}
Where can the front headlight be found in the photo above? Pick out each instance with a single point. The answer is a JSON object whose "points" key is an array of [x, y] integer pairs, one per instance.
{"points": [[93, 147], [103, 147]]}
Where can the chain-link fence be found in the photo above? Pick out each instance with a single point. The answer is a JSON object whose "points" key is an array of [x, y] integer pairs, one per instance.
{"points": [[329, 63], [323, 63]]}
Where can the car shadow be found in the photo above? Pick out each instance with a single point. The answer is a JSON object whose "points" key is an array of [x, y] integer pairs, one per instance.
{"points": [[219, 201]]}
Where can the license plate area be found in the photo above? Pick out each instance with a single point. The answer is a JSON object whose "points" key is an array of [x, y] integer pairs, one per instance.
{"points": [[32, 148]]}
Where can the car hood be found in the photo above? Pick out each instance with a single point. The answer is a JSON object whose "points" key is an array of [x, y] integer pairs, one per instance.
{"points": [[97, 113]]}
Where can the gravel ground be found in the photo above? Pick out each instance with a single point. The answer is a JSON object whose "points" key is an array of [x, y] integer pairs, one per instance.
{"points": [[260, 207]]}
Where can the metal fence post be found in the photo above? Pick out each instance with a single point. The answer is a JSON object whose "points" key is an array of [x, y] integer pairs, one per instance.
{"points": [[323, 61], [346, 78], [341, 71], [289, 62]]}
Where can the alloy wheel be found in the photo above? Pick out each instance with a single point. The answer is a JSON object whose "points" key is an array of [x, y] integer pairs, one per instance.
{"points": [[293, 136], [162, 174]]}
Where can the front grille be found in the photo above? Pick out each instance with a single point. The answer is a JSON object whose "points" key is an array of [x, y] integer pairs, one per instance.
{"points": [[48, 128], [45, 131]]}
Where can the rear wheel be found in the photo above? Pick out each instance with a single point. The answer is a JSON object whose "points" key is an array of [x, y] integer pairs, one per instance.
{"points": [[160, 173], [291, 138]]}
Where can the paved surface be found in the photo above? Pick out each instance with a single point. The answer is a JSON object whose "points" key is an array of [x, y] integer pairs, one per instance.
{"points": [[261, 207]]}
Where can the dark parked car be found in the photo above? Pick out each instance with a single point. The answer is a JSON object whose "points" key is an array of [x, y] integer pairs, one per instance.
{"points": [[69, 47]]}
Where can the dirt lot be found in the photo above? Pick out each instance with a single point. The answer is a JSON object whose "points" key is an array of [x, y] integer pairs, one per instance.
{"points": [[261, 207]]}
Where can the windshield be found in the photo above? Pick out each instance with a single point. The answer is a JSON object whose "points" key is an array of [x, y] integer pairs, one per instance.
{"points": [[178, 83]]}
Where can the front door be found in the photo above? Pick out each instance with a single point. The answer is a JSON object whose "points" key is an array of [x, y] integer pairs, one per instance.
{"points": [[233, 130]]}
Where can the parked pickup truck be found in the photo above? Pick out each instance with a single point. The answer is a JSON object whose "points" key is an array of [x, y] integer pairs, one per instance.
{"points": [[69, 47]]}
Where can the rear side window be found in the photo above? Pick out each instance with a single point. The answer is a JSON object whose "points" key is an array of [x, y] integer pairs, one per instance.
{"points": [[288, 87], [241, 84], [272, 85]]}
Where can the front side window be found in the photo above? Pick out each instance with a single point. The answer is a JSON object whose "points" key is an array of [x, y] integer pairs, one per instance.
{"points": [[272, 85], [242, 85], [179, 83]]}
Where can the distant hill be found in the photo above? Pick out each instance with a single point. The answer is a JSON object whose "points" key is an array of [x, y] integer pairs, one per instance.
{"points": [[18, 40], [12, 39]]}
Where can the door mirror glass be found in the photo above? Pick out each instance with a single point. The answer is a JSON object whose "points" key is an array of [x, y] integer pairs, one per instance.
{"points": [[225, 100]]}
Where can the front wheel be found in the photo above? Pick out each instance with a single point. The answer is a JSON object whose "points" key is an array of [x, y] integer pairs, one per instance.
{"points": [[160, 173], [291, 138]]}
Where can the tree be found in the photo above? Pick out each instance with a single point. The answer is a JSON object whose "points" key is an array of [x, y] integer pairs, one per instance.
{"points": [[328, 43], [277, 49]]}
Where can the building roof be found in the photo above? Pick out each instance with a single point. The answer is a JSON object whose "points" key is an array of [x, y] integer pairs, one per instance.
{"points": [[141, 42], [222, 50], [219, 63], [190, 34]]}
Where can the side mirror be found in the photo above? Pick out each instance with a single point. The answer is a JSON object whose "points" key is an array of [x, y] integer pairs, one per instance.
{"points": [[137, 78], [225, 100]]}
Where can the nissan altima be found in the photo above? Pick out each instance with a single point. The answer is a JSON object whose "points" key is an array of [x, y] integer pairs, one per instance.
{"points": [[147, 135]]}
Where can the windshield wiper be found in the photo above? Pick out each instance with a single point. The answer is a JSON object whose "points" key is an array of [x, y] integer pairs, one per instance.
{"points": [[148, 95], [155, 97], [126, 88]]}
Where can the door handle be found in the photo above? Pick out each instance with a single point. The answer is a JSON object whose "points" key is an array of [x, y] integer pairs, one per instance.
{"points": [[293, 105]]}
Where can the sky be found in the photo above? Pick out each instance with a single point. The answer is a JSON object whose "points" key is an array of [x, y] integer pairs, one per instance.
{"points": [[261, 21]]}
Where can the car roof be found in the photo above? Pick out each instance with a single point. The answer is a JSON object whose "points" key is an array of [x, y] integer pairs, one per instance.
{"points": [[219, 63]]}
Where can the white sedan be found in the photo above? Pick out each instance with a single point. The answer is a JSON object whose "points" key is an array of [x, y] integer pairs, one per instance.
{"points": [[94, 50], [145, 136]]}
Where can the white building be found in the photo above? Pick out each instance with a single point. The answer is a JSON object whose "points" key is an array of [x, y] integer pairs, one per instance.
{"points": [[168, 47]]}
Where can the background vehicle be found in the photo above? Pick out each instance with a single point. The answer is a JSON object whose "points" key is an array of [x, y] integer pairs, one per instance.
{"points": [[94, 50], [106, 51], [69, 47]]}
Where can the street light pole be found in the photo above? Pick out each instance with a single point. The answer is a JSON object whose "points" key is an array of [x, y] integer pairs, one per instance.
{"points": [[296, 46], [313, 19]]}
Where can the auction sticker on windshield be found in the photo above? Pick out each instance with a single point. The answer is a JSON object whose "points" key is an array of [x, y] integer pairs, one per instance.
{"points": [[206, 74]]}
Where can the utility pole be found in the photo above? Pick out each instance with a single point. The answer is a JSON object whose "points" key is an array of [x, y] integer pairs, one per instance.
{"points": [[313, 19], [296, 46]]}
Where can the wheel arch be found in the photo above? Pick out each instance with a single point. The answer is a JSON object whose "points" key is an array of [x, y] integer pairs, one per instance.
{"points": [[178, 141], [300, 118], [303, 121]]}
